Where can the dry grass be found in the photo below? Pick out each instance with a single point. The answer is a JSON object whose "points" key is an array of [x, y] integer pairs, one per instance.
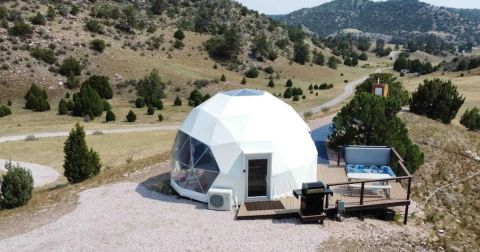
{"points": [[467, 85], [177, 67], [454, 209], [114, 149], [423, 56]]}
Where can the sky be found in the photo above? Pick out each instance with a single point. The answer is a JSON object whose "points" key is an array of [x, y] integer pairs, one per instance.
{"points": [[287, 6]]}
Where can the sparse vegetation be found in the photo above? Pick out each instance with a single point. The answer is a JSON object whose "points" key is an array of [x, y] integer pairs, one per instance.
{"points": [[110, 117], [150, 110], [139, 102], [196, 98], [70, 67], [252, 73], [80, 163], [437, 99], [471, 119], [4, 111], [62, 107], [43, 54], [101, 84], [131, 116], [37, 99], [177, 102], [38, 19], [98, 45], [17, 186], [20, 29], [151, 89], [225, 47], [87, 102]]}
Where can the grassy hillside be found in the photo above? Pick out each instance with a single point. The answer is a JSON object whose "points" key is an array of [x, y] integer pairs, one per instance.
{"points": [[467, 86], [150, 44], [453, 208]]}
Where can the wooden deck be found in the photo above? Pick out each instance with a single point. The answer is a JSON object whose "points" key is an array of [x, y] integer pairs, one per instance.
{"points": [[291, 206], [351, 196]]}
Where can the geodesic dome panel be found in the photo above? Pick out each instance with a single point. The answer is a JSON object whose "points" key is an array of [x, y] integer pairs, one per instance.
{"points": [[194, 166], [219, 136]]}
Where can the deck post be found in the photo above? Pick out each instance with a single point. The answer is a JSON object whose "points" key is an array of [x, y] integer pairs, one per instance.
{"points": [[326, 198], [409, 188], [339, 150], [406, 215], [362, 190]]}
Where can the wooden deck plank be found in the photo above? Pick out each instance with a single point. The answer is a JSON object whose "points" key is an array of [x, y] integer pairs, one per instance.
{"points": [[329, 175]]}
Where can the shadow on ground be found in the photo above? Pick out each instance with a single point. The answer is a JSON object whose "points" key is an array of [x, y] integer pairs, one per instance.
{"points": [[320, 136], [151, 188]]}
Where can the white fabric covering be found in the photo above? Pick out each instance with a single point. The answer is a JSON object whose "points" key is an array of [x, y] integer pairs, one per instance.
{"points": [[237, 123]]}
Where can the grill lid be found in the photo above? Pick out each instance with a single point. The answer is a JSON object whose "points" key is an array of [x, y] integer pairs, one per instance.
{"points": [[314, 187]]}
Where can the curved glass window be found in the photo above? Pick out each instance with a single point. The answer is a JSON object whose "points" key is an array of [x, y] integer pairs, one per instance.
{"points": [[193, 165]]}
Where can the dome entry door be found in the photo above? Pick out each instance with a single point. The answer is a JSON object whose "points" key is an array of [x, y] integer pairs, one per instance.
{"points": [[258, 182]]}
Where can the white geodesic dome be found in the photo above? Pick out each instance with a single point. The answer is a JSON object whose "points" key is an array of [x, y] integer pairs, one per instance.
{"points": [[216, 140]]}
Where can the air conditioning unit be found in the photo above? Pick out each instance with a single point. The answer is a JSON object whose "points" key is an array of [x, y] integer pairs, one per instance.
{"points": [[220, 199]]}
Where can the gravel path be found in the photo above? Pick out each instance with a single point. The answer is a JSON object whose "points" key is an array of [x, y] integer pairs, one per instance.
{"points": [[42, 175], [128, 217], [22, 137], [347, 92]]}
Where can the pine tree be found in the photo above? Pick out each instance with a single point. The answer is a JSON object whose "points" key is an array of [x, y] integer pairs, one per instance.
{"points": [[62, 107], [244, 81], [159, 104], [151, 88], [139, 102], [347, 61], [332, 62], [110, 117], [310, 87], [80, 162], [223, 78], [271, 83], [70, 67], [106, 105], [87, 102], [371, 120], [289, 83], [101, 84], [288, 93], [17, 186], [36, 99], [70, 105], [318, 58], [160, 117], [177, 102], [437, 99], [131, 116], [150, 110], [179, 34], [4, 111], [471, 119]]}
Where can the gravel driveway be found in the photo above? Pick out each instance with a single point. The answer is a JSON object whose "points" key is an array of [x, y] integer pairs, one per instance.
{"points": [[129, 217], [42, 175]]}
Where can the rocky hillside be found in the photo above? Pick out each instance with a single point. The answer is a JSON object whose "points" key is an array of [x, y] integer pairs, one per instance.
{"points": [[125, 39], [392, 17], [446, 186]]}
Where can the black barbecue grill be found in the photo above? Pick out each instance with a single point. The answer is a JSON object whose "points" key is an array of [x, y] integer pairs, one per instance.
{"points": [[312, 196]]}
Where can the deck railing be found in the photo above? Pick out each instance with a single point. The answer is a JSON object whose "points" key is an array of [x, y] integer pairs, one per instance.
{"points": [[403, 178]]}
